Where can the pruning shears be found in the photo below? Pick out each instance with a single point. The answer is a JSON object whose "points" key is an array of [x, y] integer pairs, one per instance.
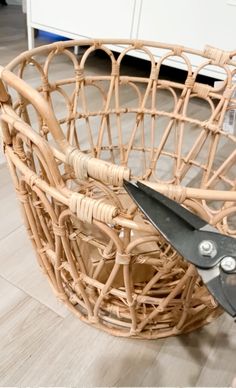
{"points": [[213, 253]]}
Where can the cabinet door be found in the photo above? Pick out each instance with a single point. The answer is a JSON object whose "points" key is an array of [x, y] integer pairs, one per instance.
{"points": [[90, 18], [192, 23]]}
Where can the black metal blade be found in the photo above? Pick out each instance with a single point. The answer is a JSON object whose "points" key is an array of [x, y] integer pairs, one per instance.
{"points": [[192, 219], [168, 223], [214, 279], [158, 213], [218, 290], [229, 288]]}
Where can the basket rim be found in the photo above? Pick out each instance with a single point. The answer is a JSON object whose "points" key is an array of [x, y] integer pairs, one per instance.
{"points": [[206, 52]]}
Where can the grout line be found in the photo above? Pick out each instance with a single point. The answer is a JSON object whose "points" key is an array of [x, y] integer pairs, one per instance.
{"points": [[21, 289], [211, 351], [2, 238], [31, 296]]}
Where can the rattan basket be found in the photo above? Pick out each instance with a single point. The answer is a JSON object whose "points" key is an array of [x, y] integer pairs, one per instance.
{"points": [[70, 142]]}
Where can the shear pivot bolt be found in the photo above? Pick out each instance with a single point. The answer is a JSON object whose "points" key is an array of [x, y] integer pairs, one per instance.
{"points": [[228, 264], [207, 248]]}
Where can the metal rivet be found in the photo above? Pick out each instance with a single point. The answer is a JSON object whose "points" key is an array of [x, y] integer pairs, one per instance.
{"points": [[207, 248], [228, 264]]}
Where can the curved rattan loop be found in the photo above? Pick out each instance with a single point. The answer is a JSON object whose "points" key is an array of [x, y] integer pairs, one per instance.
{"points": [[91, 50]]}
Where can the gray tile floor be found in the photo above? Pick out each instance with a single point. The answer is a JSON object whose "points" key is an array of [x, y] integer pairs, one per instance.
{"points": [[42, 344]]}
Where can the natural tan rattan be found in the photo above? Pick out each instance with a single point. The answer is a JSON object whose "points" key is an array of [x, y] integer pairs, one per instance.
{"points": [[68, 155]]}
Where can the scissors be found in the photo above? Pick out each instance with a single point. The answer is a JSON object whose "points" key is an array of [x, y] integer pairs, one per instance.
{"points": [[213, 253]]}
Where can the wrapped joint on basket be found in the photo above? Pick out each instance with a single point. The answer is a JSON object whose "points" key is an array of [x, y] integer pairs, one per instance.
{"points": [[69, 143]]}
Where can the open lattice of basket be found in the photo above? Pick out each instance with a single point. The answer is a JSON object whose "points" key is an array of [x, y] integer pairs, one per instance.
{"points": [[70, 142]]}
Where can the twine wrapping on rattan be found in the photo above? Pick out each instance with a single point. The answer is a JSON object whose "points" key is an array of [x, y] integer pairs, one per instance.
{"points": [[201, 89], [87, 209], [59, 230], [123, 258], [175, 192], [218, 56], [87, 166]]}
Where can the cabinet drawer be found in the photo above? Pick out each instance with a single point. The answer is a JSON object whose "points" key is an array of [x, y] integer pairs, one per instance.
{"points": [[96, 19]]}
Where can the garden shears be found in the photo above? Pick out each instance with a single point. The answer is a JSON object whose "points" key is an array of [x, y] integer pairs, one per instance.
{"points": [[213, 253]]}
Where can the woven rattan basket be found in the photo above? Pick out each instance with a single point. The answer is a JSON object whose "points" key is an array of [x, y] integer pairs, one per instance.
{"points": [[70, 142]]}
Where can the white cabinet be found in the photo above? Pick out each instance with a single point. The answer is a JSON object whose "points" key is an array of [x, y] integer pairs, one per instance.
{"points": [[192, 23], [79, 18]]}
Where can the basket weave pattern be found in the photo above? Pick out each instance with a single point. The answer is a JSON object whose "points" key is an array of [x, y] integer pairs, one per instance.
{"points": [[68, 154]]}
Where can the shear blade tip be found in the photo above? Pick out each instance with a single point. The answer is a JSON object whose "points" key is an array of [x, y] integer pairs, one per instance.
{"points": [[128, 184]]}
